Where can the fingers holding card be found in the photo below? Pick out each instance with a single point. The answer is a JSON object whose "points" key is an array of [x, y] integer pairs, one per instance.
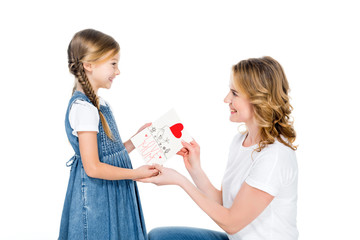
{"points": [[162, 139]]}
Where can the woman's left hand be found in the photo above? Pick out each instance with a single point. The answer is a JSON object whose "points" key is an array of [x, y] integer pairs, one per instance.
{"points": [[167, 176]]}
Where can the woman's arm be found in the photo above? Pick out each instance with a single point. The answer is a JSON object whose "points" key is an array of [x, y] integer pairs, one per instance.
{"points": [[191, 156], [248, 204], [203, 183], [96, 169]]}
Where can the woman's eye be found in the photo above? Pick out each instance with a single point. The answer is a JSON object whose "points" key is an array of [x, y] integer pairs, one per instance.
{"points": [[234, 93]]}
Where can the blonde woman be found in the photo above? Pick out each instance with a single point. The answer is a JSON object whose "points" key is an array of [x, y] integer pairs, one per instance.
{"points": [[258, 198]]}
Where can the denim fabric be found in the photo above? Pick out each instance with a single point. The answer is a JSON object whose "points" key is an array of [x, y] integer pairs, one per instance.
{"points": [[185, 233], [97, 209]]}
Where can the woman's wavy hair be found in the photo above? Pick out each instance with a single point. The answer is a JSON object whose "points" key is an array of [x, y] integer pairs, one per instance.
{"points": [[264, 82], [90, 46]]}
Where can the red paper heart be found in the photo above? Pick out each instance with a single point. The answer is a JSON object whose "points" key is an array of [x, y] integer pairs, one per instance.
{"points": [[160, 157], [176, 130]]}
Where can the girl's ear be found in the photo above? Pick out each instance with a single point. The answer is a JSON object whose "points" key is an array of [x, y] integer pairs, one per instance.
{"points": [[87, 66]]}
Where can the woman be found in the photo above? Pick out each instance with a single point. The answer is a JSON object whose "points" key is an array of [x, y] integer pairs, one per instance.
{"points": [[258, 198]]}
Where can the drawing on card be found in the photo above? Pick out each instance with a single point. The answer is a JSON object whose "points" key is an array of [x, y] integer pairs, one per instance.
{"points": [[161, 137], [148, 147], [167, 133]]}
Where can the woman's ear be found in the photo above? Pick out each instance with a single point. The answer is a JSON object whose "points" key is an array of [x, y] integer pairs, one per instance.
{"points": [[88, 66]]}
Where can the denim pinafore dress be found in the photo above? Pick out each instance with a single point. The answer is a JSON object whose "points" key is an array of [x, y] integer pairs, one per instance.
{"points": [[97, 209]]}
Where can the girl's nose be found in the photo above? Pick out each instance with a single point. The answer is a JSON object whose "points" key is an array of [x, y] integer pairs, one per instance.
{"points": [[117, 72]]}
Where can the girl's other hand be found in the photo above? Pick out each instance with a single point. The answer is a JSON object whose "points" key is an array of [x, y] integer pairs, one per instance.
{"points": [[191, 155], [166, 176], [129, 144], [145, 171], [143, 127]]}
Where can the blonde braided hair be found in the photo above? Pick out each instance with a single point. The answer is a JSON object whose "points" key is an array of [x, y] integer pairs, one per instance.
{"points": [[90, 45]]}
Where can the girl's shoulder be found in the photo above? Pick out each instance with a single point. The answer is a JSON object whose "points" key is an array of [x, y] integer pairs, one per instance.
{"points": [[80, 102], [81, 98]]}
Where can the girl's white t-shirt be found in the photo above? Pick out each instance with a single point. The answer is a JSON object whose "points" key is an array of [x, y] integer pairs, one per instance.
{"points": [[84, 116], [273, 170]]}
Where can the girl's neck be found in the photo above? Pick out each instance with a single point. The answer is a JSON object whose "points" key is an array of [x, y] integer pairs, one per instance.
{"points": [[79, 88]]}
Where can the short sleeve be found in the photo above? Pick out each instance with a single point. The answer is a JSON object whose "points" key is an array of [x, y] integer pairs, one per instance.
{"points": [[273, 170], [83, 116]]}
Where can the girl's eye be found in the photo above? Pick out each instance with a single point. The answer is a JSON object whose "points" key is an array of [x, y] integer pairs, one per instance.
{"points": [[234, 93], [114, 63]]}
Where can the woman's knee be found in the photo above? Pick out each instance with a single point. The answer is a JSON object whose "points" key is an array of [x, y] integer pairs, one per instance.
{"points": [[158, 233], [185, 233]]}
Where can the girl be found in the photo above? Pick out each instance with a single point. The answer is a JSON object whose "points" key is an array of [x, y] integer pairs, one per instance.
{"points": [[102, 200], [259, 190]]}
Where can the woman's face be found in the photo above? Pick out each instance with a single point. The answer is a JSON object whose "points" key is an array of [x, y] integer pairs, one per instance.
{"points": [[241, 110]]}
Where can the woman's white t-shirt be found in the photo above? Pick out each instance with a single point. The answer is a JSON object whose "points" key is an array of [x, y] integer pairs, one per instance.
{"points": [[273, 170], [84, 116]]}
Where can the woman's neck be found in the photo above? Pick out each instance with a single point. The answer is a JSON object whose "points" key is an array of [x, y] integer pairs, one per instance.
{"points": [[252, 136]]}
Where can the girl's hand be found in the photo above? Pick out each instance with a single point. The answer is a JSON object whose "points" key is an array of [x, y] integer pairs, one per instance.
{"points": [[167, 176], [191, 155], [145, 171]]}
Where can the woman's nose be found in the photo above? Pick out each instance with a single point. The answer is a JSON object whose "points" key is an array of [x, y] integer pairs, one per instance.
{"points": [[227, 98], [117, 72]]}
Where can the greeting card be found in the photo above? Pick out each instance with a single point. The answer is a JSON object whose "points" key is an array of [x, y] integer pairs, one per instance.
{"points": [[162, 139]]}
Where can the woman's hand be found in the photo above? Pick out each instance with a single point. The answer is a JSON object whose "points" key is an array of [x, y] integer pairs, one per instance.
{"points": [[191, 155], [166, 176], [145, 171]]}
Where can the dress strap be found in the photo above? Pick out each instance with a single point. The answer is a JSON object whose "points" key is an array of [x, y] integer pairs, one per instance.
{"points": [[72, 160]]}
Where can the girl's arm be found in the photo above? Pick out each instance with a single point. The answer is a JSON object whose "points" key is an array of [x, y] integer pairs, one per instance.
{"points": [[248, 204], [191, 156], [96, 169], [129, 146]]}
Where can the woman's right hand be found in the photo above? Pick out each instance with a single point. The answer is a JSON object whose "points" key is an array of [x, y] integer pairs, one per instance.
{"points": [[145, 171], [191, 155]]}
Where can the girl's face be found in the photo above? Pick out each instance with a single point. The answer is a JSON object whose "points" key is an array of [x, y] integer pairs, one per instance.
{"points": [[241, 110], [103, 74]]}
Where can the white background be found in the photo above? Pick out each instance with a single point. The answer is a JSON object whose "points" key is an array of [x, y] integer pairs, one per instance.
{"points": [[179, 54]]}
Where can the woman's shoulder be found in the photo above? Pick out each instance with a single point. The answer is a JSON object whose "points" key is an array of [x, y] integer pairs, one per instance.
{"points": [[280, 153]]}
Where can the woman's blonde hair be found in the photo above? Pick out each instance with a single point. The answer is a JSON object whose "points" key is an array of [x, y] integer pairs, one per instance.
{"points": [[90, 46], [264, 82]]}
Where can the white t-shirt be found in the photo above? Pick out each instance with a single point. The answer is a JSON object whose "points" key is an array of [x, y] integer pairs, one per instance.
{"points": [[273, 170], [84, 116]]}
